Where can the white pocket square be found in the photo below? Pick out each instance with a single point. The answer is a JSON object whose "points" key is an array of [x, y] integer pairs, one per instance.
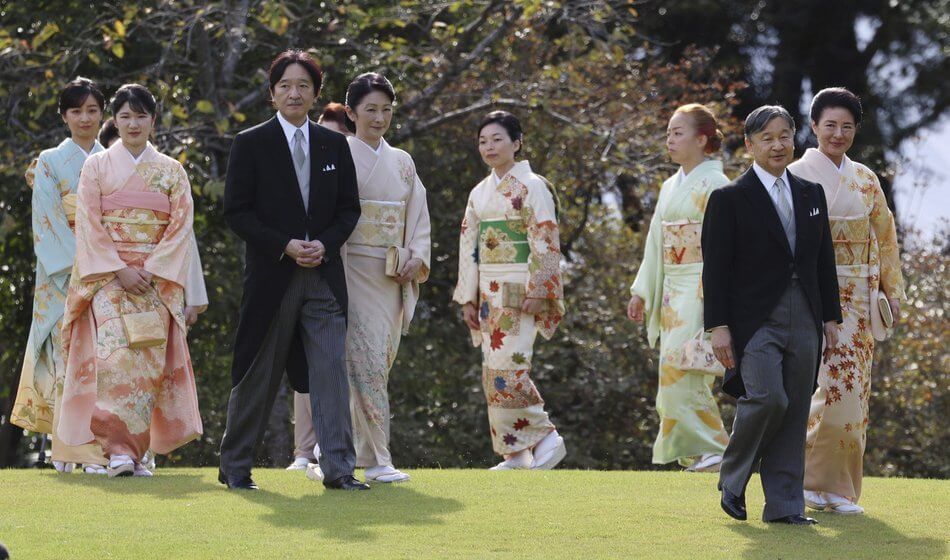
{"points": [[814, 212], [330, 167]]}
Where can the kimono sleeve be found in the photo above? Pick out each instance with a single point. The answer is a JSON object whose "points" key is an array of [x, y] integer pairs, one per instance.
{"points": [[419, 242], [96, 256], [882, 222], [196, 294], [171, 259], [544, 261], [53, 240], [466, 289], [649, 281]]}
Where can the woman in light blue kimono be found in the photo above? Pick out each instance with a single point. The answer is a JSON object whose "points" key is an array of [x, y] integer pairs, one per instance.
{"points": [[54, 176]]}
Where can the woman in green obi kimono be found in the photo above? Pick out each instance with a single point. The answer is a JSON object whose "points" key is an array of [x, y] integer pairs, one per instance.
{"points": [[509, 287], [54, 176], [870, 284], [667, 293]]}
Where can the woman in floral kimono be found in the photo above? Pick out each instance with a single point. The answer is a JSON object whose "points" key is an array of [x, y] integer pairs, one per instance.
{"points": [[509, 287], [53, 176], [129, 382], [387, 257], [667, 293], [871, 288]]}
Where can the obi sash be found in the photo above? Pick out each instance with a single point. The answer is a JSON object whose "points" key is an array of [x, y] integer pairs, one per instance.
{"points": [[503, 242], [382, 223], [69, 206], [852, 239], [682, 242], [135, 221]]}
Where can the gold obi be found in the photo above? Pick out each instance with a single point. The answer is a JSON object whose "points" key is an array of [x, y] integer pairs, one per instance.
{"points": [[135, 229], [852, 239], [681, 242], [69, 206], [382, 223]]}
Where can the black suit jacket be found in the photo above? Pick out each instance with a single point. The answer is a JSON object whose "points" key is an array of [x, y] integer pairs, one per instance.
{"points": [[747, 261], [263, 205]]}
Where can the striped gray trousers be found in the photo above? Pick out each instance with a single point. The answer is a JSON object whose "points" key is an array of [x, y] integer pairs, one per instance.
{"points": [[309, 304]]}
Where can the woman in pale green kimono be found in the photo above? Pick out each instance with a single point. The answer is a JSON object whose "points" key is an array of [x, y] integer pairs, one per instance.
{"points": [[870, 280], [54, 176], [668, 294], [393, 229]]}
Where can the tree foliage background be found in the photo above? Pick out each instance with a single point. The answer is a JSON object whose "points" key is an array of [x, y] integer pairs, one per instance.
{"points": [[594, 83]]}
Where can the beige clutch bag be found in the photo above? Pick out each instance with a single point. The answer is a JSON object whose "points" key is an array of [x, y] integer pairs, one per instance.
{"points": [[884, 307], [69, 206], [512, 295], [143, 329], [396, 258], [697, 356]]}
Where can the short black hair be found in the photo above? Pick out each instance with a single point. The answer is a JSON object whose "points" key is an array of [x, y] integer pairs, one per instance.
{"points": [[294, 56], [75, 93], [507, 121], [108, 132], [832, 97], [139, 98], [761, 117], [363, 85]]}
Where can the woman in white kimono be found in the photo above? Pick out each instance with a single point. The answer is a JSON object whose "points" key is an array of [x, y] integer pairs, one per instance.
{"points": [[387, 257], [871, 287], [509, 287], [54, 177], [667, 293]]}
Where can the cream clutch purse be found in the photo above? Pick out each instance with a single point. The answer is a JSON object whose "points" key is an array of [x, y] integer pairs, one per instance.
{"points": [[697, 356], [512, 295], [884, 307], [143, 329], [396, 258]]}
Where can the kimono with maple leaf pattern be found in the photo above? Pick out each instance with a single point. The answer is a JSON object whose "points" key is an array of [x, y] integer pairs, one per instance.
{"points": [[53, 176], [669, 281], [510, 243], [868, 262], [137, 213]]}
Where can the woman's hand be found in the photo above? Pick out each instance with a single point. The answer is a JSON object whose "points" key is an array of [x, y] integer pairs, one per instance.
{"points": [[133, 281], [534, 306], [410, 271], [635, 309], [470, 316], [191, 314]]}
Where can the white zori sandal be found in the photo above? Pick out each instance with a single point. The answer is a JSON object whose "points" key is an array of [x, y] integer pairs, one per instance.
{"points": [[120, 465], [520, 460], [549, 452], [385, 473], [841, 505]]}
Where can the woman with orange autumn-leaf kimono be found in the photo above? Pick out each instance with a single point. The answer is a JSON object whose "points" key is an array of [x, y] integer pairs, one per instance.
{"points": [[510, 289], [133, 246]]}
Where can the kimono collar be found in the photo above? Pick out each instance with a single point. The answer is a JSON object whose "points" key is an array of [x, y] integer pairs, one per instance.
{"points": [[707, 166], [521, 171], [378, 150], [118, 149], [814, 158], [68, 142]]}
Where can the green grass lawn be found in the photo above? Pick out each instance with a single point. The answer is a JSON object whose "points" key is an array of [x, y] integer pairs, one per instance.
{"points": [[185, 513]]}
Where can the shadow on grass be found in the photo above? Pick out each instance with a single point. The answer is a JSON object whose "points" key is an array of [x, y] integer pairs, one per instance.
{"points": [[858, 536], [167, 486], [351, 516]]}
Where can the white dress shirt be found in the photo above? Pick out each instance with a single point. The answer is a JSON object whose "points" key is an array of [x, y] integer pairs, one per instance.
{"points": [[290, 130], [768, 180]]}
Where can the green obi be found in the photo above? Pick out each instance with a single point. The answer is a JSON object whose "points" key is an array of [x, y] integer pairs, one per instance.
{"points": [[503, 242]]}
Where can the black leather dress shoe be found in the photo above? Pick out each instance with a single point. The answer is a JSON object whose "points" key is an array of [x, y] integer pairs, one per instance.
{"points": [[347, 482], [237, 482], [733, 505], [795, 520]]}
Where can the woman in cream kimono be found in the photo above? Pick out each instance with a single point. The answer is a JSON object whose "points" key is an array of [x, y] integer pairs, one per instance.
{"points": [[668, 294], [871, 288], [509, 287], [53, 176], [387, 257], [129, 384]]}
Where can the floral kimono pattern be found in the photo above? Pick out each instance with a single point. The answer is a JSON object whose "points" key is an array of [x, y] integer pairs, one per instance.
{"points": [[868, 262], [53, 176], [669, 281], [509, 250], [394, 214], [137, 214]]}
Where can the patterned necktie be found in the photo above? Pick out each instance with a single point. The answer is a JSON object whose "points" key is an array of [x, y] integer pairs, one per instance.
{"points": [[783, 208], [300, 157]]}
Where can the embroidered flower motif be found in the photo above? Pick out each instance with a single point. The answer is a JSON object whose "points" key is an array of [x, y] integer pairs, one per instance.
{"points": [[510, 439], [517, 203], [484, 311], [521, 424], [497, 339], [493, 286], [500, 383]]}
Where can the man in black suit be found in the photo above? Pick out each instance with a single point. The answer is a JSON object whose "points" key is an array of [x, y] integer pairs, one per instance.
{"points": [[770, 289], [291, 195]]}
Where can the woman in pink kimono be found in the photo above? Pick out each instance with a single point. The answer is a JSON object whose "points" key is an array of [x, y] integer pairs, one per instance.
{"points": [[387, 257], [129, 383], [871, 287], [509, 287]]}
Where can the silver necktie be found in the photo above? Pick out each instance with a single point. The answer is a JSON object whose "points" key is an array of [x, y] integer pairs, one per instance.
{"points": [[784, 210], [300, 156]]}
